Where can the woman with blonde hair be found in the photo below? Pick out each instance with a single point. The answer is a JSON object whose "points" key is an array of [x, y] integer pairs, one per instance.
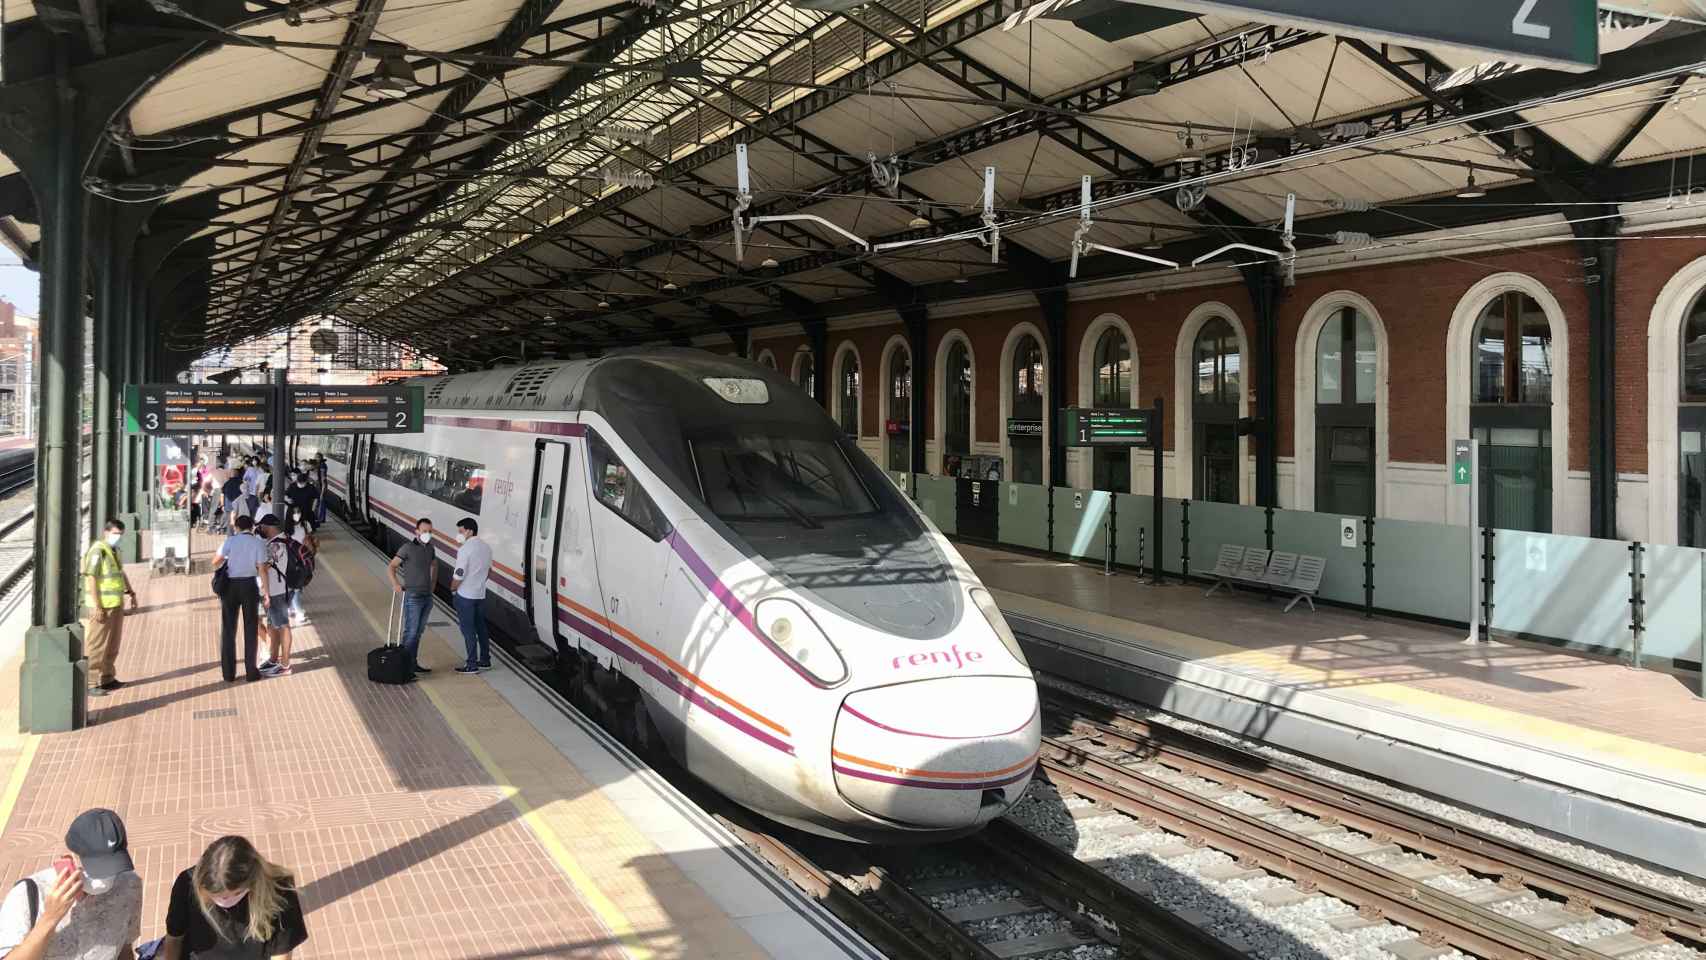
{"points": [[233, 905]]}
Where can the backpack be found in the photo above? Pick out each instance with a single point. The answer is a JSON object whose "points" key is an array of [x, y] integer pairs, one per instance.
{"points": [[298, 563]]}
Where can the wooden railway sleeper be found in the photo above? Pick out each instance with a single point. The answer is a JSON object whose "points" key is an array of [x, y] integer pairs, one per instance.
{"points": [[1469, 848], [1478, 930]]}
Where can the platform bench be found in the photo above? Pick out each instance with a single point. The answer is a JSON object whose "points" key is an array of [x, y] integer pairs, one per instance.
{"points": [[1297, 574]]}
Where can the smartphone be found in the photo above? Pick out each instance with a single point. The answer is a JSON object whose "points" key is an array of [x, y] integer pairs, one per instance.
{"points": [[65, 866]]}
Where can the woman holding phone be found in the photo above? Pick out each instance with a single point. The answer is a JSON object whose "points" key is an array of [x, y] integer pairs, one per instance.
{"points": [[233, 904], [87, 905]]}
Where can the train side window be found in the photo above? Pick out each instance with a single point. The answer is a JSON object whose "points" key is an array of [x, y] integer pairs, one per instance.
{"points": [[619, 490], [547, 502]]}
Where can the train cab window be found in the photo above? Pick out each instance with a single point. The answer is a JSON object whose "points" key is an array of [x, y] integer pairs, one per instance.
{"points": [[757, 475], [618, 489]]}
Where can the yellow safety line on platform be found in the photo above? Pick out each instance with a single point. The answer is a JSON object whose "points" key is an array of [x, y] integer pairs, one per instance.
{"points": [[15, 783], [614, 919], [1426, 703]]}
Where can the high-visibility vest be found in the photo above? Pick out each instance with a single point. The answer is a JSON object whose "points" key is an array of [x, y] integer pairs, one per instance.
{"points": [[109, 583]]}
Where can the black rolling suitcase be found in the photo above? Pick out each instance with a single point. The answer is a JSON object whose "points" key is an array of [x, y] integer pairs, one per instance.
{"points": [[390, 663]]}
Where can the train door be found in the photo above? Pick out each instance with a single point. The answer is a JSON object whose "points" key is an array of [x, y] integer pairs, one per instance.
{"points": [[628, 532], [360, 468], [544, 522]]}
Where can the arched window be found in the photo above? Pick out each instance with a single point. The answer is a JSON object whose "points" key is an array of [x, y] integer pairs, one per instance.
{"points": [[847, 378], [899, 423], [1111, 469], [1511, 412], [956, 427], [1025, 415], [767, 359], [1218, 370], [1346, 363], [1691, 421], [805, 372]]}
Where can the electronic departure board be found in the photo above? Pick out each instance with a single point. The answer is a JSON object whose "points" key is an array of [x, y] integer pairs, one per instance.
{"points": [[177, 409], [394, 408], [1106, 428]]}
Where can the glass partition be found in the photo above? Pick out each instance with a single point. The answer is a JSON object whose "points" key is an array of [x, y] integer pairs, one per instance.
{"points": [[1557, 587], [1216, 524], [1422, 568], [1317, 535], [1080, 519], [936, 496], [1134, 515], [1023, 519], [1676, 599]]}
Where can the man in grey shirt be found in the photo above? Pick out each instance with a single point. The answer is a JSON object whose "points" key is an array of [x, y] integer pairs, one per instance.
{"points": [[418, 564], [87, 909]]}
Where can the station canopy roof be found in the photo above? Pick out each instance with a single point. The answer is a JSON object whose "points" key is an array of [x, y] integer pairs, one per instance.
{"points": [[474, 175]]}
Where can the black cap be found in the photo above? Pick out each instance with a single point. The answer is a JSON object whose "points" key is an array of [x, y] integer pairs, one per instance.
{"points": [[270, 520], [98, 839]]}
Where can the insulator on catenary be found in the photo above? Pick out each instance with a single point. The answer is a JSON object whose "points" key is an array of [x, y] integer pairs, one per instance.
{"points": [[1355, 128], [629, 178], [1352, 205], [1353, 240]]}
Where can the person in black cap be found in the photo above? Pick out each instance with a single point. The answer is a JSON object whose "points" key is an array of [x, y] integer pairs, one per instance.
{"points": [[86, 906]]}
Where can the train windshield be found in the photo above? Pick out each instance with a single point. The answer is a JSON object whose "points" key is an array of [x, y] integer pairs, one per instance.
{"points": [[767, 476]]}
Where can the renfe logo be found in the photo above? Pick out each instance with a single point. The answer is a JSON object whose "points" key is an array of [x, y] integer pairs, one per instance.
{"points": [[953, 656]]}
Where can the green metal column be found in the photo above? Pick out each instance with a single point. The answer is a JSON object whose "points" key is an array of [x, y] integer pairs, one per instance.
{"points": [[57, 538], [108, 376]]}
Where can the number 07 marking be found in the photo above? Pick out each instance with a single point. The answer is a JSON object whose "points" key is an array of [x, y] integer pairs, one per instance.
{"points": [[1521, 26]]}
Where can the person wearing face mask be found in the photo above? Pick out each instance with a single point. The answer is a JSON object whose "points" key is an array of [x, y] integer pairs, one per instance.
{"points": [[106, 589], [298, 528], [86, 906], [234, 904], [468, 584], [418, 564]]}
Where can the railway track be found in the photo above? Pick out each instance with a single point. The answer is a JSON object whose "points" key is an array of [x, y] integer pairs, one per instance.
{"points": [[1453, 887], [1003, 894]]}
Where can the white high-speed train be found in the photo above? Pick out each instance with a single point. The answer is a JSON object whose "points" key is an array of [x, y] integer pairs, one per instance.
{"points": [[719, 567]]}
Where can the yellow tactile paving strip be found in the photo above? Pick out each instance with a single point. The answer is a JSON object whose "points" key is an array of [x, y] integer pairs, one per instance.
{"points": [[621, 873], [1279, 665]]}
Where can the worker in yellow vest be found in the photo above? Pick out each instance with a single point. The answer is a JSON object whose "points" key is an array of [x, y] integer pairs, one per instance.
{"points": [[106, 589]]}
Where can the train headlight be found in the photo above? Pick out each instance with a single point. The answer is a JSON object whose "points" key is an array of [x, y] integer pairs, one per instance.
{"points": [[998, 623], [787, 625]]}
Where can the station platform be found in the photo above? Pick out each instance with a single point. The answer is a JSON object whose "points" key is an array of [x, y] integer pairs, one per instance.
{"points": [[1584, 747], [458, 817]]}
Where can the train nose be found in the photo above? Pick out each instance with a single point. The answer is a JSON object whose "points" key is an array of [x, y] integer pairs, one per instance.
{"points": [[945, 753]]}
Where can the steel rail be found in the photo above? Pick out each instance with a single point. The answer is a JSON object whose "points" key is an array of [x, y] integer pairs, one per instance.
{"points": [[1437, 917], [1654, 914]]}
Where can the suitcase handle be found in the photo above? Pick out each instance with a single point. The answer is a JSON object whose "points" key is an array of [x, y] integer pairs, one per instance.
{"points": [[389, 616]]}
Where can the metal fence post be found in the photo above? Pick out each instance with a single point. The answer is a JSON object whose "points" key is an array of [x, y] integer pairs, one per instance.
{"points": [[1368, 568], [1486, 626], [1185, 542], [1268, 531], [1048, 493], [1637, 602], [1113, 526]]}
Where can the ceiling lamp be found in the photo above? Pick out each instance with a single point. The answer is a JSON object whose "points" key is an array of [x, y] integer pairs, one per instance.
{"points": [[919, 221], [1154, 242], [307, 215], [670, 285], [603, 303], [1190, 154], [393, 79], [962, 278], [1470, 191], [323, 191], [769, 263]]}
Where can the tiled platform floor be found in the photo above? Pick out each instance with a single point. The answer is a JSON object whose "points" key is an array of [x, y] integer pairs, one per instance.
{"points": [[424, 821], [1339, 650]]}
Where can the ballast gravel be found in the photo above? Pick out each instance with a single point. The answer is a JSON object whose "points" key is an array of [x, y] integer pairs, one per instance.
{"points": [[1299, 931], [1579, 854]]}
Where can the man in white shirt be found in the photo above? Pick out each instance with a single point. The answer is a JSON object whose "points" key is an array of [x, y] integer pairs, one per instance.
{"points": [[83, 908], [468, 584]]}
